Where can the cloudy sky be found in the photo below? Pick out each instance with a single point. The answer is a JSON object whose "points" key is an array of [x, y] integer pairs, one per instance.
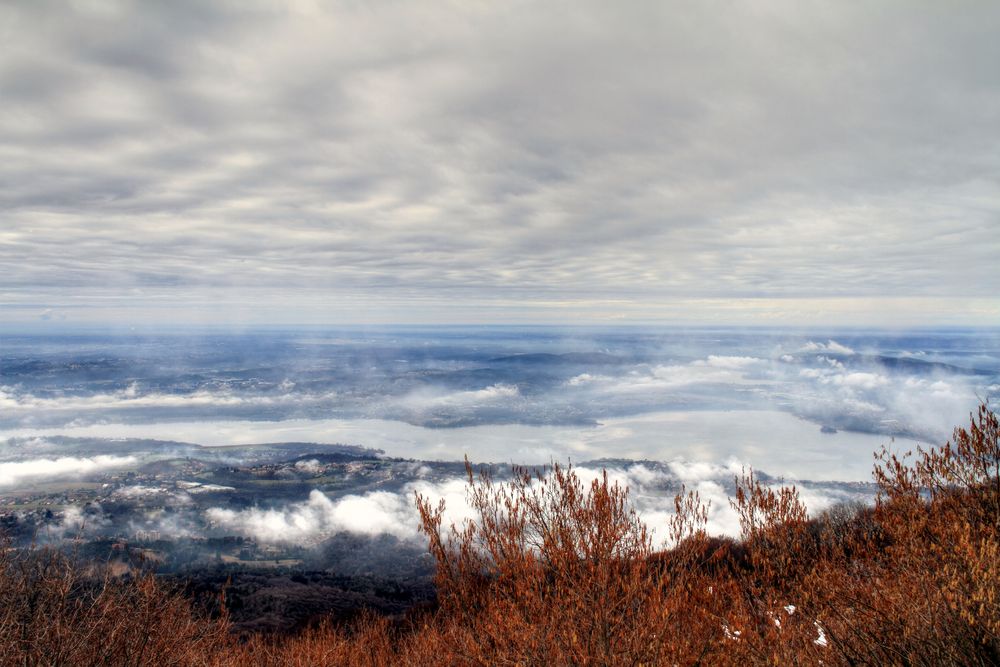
{"points": [[312, 162]]}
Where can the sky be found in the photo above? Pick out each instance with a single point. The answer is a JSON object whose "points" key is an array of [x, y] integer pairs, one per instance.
{"points": [[250, 162]]}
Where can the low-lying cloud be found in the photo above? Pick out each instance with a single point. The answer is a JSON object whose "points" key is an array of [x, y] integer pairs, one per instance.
{"points": [[826, 381], [21, 472], [828, 346], [651, 491], [318, 517], [132, 398]]}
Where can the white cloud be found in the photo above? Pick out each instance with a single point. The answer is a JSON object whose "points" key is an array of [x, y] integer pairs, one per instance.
{"points": [[318, 517], [861, 380], [829, 346], [717, 361], [581, 379], [131, 398], [140, 490], [651, 492], [714, 370], [13, 473], [496, 393], [558, 161], [310, 466], [210, 488]]}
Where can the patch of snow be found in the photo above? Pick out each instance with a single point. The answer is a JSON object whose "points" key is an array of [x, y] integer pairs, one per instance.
{"points": [[821, 638]]}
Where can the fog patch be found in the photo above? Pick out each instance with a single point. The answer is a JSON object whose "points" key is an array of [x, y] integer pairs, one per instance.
{"points": [[651, 488], [718, 361], [311, 466], [319, 516], [12, 473], [829, 346], [131, 397], [77, 522]]}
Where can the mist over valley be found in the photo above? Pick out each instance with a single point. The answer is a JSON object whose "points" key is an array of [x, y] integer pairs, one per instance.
{"points": [[285, 440]]}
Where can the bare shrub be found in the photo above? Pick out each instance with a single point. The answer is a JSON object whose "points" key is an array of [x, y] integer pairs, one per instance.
{"points": [[551, 572], [55, 612], [554, 572]]}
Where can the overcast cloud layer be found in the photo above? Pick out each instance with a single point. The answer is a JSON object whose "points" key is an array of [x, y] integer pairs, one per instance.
{"points": [[558, 161]]}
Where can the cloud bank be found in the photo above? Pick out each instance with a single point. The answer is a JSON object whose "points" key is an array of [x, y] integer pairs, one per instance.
{"points": [[22, 472], [272, 162], [319, 517], [651, 491], [871, 390]]}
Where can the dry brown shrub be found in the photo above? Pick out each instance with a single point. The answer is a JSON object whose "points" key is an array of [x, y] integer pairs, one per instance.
{"points": [[915, 582], [551, 572], [55, 612], [368, 642], [941, 514], [769, 620]]}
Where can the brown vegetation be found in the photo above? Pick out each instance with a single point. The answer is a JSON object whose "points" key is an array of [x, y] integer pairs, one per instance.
{"points": [[554, 572], [54, 611]]}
